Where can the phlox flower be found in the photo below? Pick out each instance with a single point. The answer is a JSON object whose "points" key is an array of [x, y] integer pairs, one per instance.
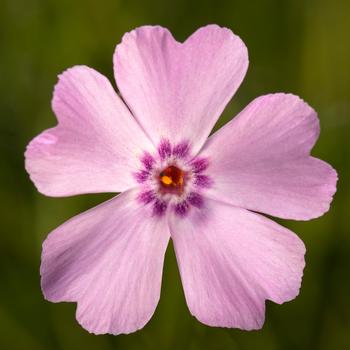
{"points": [[151, 142]]}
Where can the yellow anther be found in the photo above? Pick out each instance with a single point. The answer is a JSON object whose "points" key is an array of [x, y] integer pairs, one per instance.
{"points": [[172, 178], [167, 180]]}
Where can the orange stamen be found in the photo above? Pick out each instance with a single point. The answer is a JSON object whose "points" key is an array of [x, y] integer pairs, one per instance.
{"points": [[172, 177]]}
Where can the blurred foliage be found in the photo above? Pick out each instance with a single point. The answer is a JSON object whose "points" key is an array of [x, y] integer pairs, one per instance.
{"points": [[295, 46]]}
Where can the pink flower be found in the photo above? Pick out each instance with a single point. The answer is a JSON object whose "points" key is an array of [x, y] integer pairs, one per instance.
{"points": [[176, 182]]}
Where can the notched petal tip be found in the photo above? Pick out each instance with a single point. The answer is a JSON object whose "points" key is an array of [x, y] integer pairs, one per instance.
{"points": [[266, 165], [240, 260], [195, 79], [111, 269], [95, 145], [258, 321]]}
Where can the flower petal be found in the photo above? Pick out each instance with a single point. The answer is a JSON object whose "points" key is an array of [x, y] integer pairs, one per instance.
{"points": [[178, 91], [109, 260], [261, 160], [95, 146], [232, 260]]}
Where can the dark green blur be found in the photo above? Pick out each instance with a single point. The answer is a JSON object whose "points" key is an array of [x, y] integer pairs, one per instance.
{"points": [[295, 46]]}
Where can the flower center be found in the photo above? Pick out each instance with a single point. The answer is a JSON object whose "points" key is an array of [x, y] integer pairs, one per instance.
{"points": [[172, 178]]}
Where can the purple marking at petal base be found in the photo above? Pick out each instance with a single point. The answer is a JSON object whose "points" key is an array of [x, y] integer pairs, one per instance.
{"points": [[181, 149], [182, 208], [203, 181], [199, 165], [141, 176], [146, 197], [159, 207], [147, 161], [195, 199], [164, 149]]}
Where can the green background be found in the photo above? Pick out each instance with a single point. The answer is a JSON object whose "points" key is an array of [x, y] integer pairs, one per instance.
{"points": [[295, 46]]}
